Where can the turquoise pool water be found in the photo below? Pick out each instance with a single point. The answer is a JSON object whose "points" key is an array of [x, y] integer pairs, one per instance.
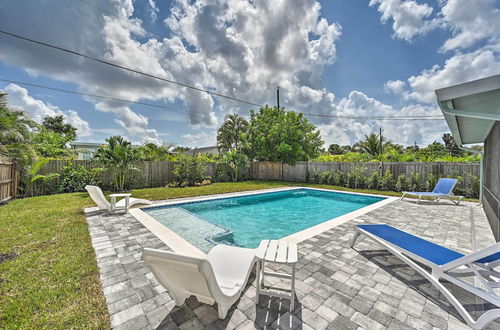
{"points": [[246, 220]]}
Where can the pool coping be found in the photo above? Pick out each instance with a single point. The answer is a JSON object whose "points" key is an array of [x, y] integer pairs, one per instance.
{"points": [[180, 245]]}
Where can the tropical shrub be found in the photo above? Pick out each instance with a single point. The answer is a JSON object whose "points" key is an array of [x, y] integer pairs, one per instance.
{"points": [[31, 181], [374, 180], [356, 177], [189, 171], [431, 181], [117, 157], [234, 162], [402, 183], [415, 184], [474, 187], [74, 178], [339, 179], [387, 181], [326, 177], [316, 176]]}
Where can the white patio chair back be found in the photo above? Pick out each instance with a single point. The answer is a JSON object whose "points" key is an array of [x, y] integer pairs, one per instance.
{"points": [[98, 197], [184, 276]]}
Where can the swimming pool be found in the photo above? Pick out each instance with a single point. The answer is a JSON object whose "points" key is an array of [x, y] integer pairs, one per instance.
{"points": [[248, 219]]}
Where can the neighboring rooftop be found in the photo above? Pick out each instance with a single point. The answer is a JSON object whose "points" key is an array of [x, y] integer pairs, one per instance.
{"points": [[471, 108], [203, 150], [86, 145]]}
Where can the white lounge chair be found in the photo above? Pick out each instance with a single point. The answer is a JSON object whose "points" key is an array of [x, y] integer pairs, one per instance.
{"points": [[98, 197], [220, 277], [443, 189], [444, 264]]}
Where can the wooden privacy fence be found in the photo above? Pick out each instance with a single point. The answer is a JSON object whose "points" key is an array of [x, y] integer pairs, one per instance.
{"points": [[302, 171], [159, 173], [9, 179], [149, 174]]}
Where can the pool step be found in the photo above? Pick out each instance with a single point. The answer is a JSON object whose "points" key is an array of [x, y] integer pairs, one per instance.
{"points": [[196, 230]]}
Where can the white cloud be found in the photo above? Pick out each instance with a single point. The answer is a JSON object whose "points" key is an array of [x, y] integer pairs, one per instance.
{"points": [[457, 69], [133, 123], [153, 10], [470, 22], [349, 131], [240, 48], [200, 139], [409, 18], [37, 109], [394, 86]]}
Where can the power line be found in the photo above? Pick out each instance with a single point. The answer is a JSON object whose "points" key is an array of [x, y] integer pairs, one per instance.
{"points": [[91, 95], [430, 117], [126, 68]]}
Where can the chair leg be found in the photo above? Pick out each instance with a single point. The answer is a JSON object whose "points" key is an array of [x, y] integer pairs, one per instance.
{"points": [[419, 197], [356, 235], [402, 196], [222, 309]]}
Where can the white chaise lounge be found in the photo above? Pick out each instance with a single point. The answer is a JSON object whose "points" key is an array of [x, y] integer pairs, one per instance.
{"points": [[98, 197], [445, 264], [220, 277]]}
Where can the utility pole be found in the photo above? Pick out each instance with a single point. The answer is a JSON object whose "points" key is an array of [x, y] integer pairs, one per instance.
{"points": [[380, 141], [278, 96]]}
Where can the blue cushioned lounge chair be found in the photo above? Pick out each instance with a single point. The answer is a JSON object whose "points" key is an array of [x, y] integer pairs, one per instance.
{"points": [[444, 264], [443, 189]]}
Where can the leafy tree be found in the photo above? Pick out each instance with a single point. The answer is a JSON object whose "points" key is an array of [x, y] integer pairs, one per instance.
{"points": [[281, 136], [412, 148], [118, 157], [432, 152], [151, 151], [452, 145], [56, 124], [335, 149], [50, 144], [179, 150], [229, 135], [15, 133]]}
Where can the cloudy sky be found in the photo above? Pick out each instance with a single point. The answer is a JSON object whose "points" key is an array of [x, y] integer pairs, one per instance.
{"points": [[335, 57]]}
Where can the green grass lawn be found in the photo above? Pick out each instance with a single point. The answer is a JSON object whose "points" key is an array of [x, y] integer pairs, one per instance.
{"points": [[53, 280]]}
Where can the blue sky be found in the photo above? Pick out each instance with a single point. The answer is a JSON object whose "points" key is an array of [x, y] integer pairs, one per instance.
{"points": [[338, 57]]}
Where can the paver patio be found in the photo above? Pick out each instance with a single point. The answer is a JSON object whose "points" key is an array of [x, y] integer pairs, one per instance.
{"points": [[337, 287]]}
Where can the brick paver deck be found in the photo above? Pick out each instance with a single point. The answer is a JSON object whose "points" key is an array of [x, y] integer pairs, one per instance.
{"points": [[337, 287]]}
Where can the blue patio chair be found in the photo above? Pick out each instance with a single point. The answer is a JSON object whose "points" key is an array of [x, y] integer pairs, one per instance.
{"points": [[443, 189], [444, 264]]}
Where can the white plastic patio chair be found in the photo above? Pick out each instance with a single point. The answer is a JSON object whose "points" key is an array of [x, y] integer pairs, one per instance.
{"points": [[444, 264], [98, 197], [220, 277]]}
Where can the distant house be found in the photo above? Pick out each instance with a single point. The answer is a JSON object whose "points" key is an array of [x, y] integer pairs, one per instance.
{"points": [[472, 111], [85, 150], [204, 150]]}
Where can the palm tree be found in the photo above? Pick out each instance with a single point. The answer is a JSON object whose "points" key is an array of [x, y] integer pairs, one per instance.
{"points": [[118, 157], [372, 144], [229, 135], [15, 133]]}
